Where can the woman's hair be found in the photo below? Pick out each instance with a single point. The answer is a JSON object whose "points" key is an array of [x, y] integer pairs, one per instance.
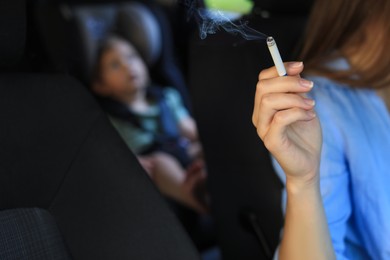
{"points": [[358, 30]]}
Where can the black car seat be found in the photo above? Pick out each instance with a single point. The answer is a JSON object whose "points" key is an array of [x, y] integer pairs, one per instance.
{"points": [[245, 191], [69, 186]]}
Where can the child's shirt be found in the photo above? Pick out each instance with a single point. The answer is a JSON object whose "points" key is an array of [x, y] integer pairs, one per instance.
{"points": [[140, 139]]}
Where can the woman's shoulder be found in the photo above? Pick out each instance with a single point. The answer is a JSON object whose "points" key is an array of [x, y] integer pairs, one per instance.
{"points": [[338, 97], [336, 108], [330, 97], [324, 87], [343, 111]]}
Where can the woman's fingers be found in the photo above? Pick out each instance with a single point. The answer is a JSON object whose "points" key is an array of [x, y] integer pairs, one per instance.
{"points": [[272, 103], [284, 85], [292, 68], [275, 137], [287, 84], [286, 121], [280, 100]]}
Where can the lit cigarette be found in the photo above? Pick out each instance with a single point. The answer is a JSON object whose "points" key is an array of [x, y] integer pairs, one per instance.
{"points": [[273, 49]]}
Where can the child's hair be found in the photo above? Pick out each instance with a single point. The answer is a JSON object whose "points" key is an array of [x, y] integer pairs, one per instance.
{"points": [[341, 28]]}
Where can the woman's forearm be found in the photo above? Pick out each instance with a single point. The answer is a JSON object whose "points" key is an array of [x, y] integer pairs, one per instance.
{"points": [[306, 234]]}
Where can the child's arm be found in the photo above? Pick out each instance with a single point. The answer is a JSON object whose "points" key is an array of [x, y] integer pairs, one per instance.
{"points": [[186, 124], [173, 181], [188, 129]]}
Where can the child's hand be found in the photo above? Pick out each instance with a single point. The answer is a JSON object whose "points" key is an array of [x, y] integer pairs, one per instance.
{"points": [[147, 162], [287, 124], [194, 186]]}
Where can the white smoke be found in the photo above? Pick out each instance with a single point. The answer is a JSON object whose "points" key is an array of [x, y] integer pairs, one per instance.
{"points": [[212, 21]]}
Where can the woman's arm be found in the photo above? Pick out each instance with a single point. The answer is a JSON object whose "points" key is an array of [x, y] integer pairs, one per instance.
{"points": [[287, 124], [306, 234]]}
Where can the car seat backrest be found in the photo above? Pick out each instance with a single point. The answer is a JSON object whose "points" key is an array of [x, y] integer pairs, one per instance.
{"points": [[30, 233], [12, 32]]}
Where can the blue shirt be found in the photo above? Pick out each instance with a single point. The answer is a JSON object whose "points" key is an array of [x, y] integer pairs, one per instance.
{"points": [[355, 169]]}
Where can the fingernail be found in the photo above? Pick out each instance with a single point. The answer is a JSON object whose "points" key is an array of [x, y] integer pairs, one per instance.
{"points": [[310, 102], [311, 113], [296, 64], [306, 83]]}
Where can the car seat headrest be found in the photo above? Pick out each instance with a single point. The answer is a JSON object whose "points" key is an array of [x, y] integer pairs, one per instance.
{"points": [[90, 24], [139, 25], [12, 31]]}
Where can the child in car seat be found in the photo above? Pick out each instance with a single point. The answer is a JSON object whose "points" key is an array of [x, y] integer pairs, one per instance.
{"points": [[152, 121]]}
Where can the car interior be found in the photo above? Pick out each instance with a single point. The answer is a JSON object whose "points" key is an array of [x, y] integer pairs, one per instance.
{"points": [[71, 188]]}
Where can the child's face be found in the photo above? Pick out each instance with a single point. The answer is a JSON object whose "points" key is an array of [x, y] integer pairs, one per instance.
{"points": [[122, 71]]}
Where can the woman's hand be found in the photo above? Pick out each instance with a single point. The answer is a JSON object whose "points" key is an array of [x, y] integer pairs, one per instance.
{"points": [[287, 124]]}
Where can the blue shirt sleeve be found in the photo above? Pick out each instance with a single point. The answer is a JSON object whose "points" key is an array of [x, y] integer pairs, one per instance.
{"points": [[334, 170], [175, 103]]}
